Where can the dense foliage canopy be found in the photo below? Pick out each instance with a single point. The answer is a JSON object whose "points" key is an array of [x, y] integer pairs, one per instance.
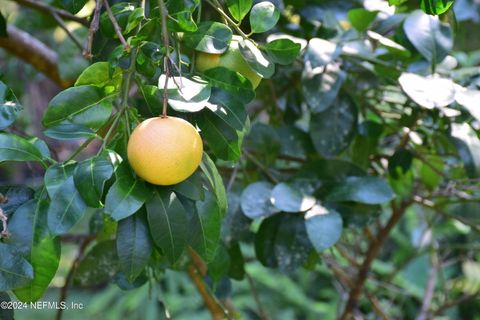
{"points": [[346, 185]]}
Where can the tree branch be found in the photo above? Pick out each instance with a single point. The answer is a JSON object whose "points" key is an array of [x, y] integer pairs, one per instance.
{"points": [[372, 253], [42, 7], [116, 26], [34, 52], [93, 28]]}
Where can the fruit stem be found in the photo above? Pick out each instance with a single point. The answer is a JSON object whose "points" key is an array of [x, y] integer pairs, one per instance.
{"points": [[166, 60]]}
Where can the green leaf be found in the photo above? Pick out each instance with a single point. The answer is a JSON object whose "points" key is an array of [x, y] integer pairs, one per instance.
{"points": [[134, 245], [98, 75], [330, 170], [66, 209], [468, 99], [16, 195], [264, 141], [468, 147], [181, 15], [324, 227], [265, 241], [42, 147], [56, 175], [210, 37], [320, 89], [191, 188], [436, 7], [431, 37], [15, 148], [321, 52], [90, 177], [256, 59], [332, 130], [153, 97], [69, 131], [216, 183], [290, 199], [220, 265], [186, 95], [73, 6], [9, 106], [361, 18], [122, 12], [428, 92], [204, 227], [255, 200], [368, 190], [232, 82], [45, 258], [71, 61], [283, 51], [135, 17], [263, 17], [167, 220], [98, 266], [15, 271], [239, 8], [126, 196], [82, 105]]}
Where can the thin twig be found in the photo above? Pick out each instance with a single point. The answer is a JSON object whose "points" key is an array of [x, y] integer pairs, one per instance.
{"points": [[93, 28], [42, 7], [233, 176], [372, 253], [261, 311], [430, 288], [227, 18], [261, 166], [71, 272], [62, 25], [166, 60], [117, 28]]}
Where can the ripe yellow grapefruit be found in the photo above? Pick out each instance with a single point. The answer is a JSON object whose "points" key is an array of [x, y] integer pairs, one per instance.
{"points": [[164, 151], [231, 59]]}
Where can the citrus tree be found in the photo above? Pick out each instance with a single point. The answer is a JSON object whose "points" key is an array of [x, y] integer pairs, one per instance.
{"points": [[325, 155]]}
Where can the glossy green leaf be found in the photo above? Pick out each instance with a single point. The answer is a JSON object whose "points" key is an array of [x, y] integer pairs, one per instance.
{"points": [[126, 196], [429, 92], [90, 177], [15, 148], [134, 245], [66, 208], [332, 130], [324, 227], [232, 82], [191, 188], [98, 75], [83, 105], [255, 200], [361, 18], [263, 17], [204, 228], [265, 241], [436, 7], [468, 147], [185, 95], [210, 37], [134, 19], [468, 99], [73, 6], [122, 12], [56, 175], [216, 183], [69, 131], [283, 51], [239, 8], [45, 258], [431, 37], [167, 220], [321, 89], [256, 59], [9, 106], [181, 13], [15, 271], [368, 190], [16, 195], [287, 198]]}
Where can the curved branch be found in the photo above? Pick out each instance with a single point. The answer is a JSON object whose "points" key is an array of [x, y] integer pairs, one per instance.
{"points": [[34, 52], [42, 7]]}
